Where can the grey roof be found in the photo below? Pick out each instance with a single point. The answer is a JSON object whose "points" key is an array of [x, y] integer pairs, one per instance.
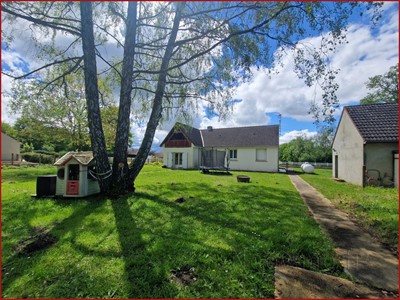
{"points": [[252, 136], [83, 158], [377, 123]]}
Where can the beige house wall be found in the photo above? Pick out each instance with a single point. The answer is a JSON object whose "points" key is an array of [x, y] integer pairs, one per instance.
{"points": [[246, 160], [380, 157], [189, 155], [349, 147], [10, 148]]}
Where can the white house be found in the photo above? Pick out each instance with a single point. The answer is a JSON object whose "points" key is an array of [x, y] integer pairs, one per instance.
{"points": [[365, 146], [10, 149], [75, 175], [254, 148]]}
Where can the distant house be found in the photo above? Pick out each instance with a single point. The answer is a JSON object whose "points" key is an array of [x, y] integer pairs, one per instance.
{"points": [[10, 149], [365, 145], [253, 148]]}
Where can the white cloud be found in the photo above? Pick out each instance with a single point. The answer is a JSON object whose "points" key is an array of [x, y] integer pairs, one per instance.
{"points": [[289, 136]]}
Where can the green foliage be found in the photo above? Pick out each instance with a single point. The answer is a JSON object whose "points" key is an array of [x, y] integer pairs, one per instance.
{"points": [[33, 132], [9, 130], [384, 88], [302, 149], [129, 247], [27, 147], [375, 208], [38, 157]]}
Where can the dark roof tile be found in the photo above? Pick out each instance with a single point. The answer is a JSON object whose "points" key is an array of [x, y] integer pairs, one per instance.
{"points": [[377, 123], [252, 136]]}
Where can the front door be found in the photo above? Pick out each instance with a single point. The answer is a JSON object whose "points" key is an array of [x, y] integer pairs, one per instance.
{"points": [[177, 160], [73, 180]]}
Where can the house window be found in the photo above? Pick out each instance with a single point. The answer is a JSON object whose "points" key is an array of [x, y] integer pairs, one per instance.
{"points": [[233, 154], [261, 155]]}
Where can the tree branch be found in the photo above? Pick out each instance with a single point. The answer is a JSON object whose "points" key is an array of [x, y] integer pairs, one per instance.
{"points": [[68, 28], [44, 67]]}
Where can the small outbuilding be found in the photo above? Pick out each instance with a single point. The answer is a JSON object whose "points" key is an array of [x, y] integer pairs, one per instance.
{"points": [[76, 175], [365, 146], [10, 150]]}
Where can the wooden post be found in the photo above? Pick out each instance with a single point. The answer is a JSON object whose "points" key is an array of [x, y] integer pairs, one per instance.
{"points": [[12, 158]]}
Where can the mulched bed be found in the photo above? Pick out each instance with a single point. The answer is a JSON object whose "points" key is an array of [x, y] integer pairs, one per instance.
{"points": [[184, 275], [40, 239]]}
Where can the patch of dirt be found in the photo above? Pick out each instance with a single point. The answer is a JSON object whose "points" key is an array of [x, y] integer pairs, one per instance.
{"points": [[40, 239], [180, 200], [184, 275]]}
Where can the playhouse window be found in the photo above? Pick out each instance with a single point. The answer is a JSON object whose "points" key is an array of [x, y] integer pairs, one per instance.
{"points": [[73, 172], [91, 171], [61, 173]]}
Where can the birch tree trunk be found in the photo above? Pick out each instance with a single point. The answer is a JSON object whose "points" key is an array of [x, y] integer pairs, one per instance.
{"points": [[121, 179], [156, 111], [92, 97]]}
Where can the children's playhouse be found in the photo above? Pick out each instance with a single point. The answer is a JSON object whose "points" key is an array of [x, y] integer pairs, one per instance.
{"points": [[76, 175]]}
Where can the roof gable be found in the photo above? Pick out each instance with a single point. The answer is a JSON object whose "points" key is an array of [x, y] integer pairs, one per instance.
{"points": [[376, 123], [84, 158], [191, 133]]}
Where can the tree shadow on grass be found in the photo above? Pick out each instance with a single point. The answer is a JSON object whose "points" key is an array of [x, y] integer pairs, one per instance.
{"points": [[143, 279], [18, 265]]}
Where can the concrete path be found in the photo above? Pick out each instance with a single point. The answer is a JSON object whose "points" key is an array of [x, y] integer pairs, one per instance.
{"points": [[292, 282], [360, 255]]}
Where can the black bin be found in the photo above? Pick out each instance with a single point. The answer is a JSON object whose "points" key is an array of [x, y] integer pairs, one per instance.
{"points": [[46, 185]]}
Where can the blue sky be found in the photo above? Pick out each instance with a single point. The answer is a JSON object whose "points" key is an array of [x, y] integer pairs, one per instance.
{"points": [[370, 51]]}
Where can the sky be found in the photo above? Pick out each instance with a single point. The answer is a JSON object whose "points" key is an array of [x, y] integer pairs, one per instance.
{"points": [[277, 98]]}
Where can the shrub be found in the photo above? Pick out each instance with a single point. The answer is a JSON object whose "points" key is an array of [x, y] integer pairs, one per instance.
{"points": [[38, 158]]}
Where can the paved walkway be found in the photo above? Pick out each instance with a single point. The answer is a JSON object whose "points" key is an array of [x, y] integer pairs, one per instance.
{"points": [[361, 256]]}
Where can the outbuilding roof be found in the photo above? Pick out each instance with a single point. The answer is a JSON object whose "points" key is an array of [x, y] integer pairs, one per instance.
{"points": [[251, 136], [377, 123], [83, 158]]}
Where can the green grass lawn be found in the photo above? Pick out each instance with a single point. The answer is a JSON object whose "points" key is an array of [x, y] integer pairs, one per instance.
{"points": [[224, 240], [374, 208]]}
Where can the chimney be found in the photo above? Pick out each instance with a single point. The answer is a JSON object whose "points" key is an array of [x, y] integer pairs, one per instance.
{"points": [[209, 128]]}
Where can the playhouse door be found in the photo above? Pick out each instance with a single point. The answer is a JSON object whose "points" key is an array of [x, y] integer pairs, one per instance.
{"points": [[73, 180]]}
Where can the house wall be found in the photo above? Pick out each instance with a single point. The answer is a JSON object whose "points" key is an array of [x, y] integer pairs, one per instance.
{"points": [[380, 157], [246, 160], [190, 155], [9, 146], [349, 147]]}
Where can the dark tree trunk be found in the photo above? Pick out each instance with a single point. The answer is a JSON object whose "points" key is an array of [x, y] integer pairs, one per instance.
{"points": [[121, 179], [156, 111], [92, 97]]}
